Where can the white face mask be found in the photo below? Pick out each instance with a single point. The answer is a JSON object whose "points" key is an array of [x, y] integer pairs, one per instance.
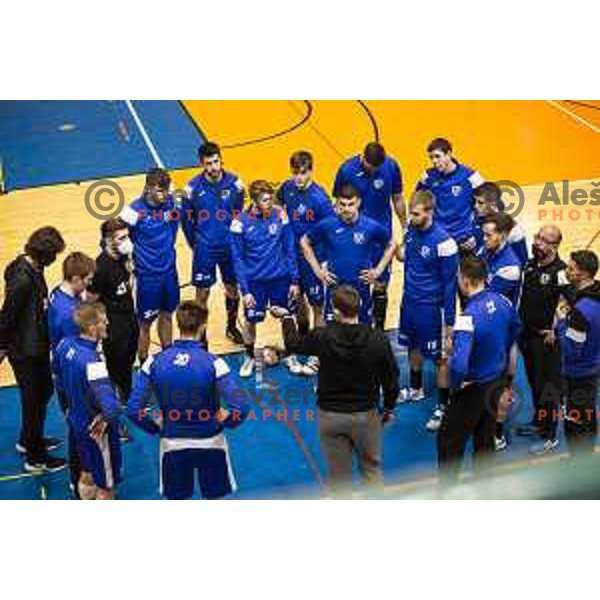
{"points": [[125, 247]]}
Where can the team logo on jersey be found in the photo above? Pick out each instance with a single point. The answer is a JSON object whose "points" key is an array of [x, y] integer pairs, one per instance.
{"points": [[425, 251], [378, 184], [149, 314], [545, 279], [456, 190], [490, 306], [359, 238], [273, 228], [70, 354], [225, 194], [181, 360], [301, 209], [122, 289]]}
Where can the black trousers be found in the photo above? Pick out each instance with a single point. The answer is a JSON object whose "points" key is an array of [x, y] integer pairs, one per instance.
{"points": [[581, 422], [471, 412], [542, 365], [120, 349], [35, 385]]}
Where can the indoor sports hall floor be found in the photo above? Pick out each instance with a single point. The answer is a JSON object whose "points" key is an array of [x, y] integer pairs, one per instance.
{"points": [[52, 151]]}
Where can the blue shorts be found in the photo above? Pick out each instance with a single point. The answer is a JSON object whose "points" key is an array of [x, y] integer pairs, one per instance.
{"points": [[156, 294], [366, 304], [273, 292], [103, 459], [421, 328], [204, 267], [209, 466], [310, 284]]}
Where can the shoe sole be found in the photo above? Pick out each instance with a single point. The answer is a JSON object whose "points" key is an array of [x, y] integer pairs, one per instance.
{"points": [[43, 469], [22, 450]]}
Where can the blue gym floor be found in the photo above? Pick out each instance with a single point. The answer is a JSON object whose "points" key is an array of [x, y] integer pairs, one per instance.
{"points": [[271, 458], [43, 143]]}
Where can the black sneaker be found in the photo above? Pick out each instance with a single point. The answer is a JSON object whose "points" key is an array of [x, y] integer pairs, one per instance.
{"points": [[45, 464], [50, 443], [235, 335]]}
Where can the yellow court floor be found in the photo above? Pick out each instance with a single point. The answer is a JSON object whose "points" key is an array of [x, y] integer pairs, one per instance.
{"points": [[528, 142]]}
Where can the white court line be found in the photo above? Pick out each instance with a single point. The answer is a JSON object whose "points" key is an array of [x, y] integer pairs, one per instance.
{"points": [[573, 115], [147, 140]]}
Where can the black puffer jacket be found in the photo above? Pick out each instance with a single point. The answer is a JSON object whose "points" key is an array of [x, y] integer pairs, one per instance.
{"points": [[23, 318]]}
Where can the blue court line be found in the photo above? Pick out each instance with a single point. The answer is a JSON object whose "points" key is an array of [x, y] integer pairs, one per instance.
{"points": [[51, 142]]}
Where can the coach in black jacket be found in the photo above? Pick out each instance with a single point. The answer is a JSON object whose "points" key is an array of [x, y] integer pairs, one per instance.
{"points": [[356, 364], [24, 339]]}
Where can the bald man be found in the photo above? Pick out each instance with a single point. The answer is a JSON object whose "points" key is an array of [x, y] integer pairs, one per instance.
{"points": [[544, 283]]}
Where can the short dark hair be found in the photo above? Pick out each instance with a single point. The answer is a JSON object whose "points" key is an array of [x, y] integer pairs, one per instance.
{"points": [[374, 154], [473, 269], [191, 317], [208, 149], [348, 191], [502, 221], [44, 244], [110, 226], [78, 264], [586, 260], [258, 188], [158, 177], [88, 314], [491, 193], [301, 160], [347, 300], [441, 144]]}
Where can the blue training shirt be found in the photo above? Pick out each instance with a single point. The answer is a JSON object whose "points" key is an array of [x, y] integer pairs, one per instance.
{"points": [[153, 233], [208, 209], [348, 247], [482, 338], [61, 307], [188, 384], [82, 377], [430, 269], [376, 189], [504, 272], [453, 194], [262, 247]]}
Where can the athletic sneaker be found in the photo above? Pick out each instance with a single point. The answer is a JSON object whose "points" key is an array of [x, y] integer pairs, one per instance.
{"points": [[247, 367], [411, 395], [45, 464], [435, 421], [500, 444], [311, 367], [50, 443], [293, 364], [235, 335], [544, 447]]}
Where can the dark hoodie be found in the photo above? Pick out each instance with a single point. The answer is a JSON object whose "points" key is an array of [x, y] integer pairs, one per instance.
{"points": [[356, 363], [579, 335], [23, 318]]}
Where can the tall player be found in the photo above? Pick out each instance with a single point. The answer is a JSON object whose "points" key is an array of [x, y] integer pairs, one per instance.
{"points": [[262, 247], [378, 180], [452, 185], [429, 299], [349, 241], [306, 204], [153, 230], [212, 198]]}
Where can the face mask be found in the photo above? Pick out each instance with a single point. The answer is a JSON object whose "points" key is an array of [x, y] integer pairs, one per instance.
{"points": [[125, 247]]}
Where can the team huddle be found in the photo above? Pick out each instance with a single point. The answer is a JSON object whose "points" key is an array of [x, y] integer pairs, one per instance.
{"points": [[473, 295]]}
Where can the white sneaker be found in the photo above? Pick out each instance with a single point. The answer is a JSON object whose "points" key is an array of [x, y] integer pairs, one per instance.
{"points": [[435, 421], [410, 395], [500, 444], [311, 367], [293, 364], [247, 367]]}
